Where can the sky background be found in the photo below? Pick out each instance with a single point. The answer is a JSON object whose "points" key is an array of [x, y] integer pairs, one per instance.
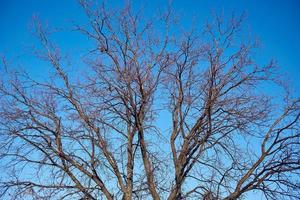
{"points": [[276, 23]]}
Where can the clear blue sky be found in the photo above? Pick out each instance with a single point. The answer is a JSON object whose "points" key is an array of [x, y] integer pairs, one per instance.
{"points": [[276, 23]]}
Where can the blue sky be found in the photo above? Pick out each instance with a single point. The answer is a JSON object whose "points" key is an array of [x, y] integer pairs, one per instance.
{"points": [[276, 23]]}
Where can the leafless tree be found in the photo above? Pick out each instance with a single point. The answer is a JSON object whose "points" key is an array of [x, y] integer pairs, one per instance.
{"points": [[100, 135]]}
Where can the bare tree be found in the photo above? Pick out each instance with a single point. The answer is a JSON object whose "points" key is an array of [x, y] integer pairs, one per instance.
{"points": [[96, 135]]}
